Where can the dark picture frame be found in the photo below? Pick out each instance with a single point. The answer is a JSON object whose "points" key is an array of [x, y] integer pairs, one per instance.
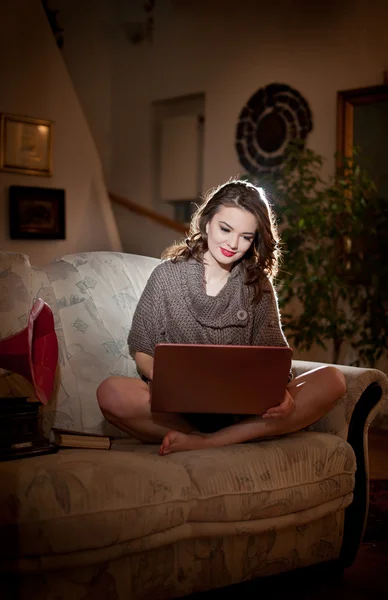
{"points": [[36, 213]]}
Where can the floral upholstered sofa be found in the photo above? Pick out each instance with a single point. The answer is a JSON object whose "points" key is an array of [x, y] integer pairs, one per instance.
{"points": [[127, 523]]}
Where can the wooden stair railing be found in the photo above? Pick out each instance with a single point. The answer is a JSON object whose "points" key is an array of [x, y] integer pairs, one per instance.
{"points": [[150, 214]]}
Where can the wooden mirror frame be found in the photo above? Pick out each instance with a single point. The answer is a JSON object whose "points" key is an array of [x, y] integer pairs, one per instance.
{"points": [[346, 102]]}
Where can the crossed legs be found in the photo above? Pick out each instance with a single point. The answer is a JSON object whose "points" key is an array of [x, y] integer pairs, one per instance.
{"points": [[125, 402]]}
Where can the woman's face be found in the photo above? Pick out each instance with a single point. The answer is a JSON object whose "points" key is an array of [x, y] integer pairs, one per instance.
{"points": [[230, 234]]}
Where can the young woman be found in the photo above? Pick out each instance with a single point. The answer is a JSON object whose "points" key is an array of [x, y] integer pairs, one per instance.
{"points": [[215, 288]]}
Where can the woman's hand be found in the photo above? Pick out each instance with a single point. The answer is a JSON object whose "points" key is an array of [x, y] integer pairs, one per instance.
{"points": [[145, 364], [281, 410]]}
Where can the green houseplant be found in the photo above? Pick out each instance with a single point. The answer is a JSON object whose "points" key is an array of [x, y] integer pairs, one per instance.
{"points": [[333, 281]]}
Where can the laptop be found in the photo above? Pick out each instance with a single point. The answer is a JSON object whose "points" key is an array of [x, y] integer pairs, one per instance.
{"points": [[200, 378]]}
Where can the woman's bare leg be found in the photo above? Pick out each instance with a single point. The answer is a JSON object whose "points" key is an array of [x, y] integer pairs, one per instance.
{"points": [[125, 402], [315, 393]]}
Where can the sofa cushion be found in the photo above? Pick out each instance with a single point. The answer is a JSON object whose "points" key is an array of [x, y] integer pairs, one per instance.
{"points": [[130, 497], [96, 295], [93, 296]]}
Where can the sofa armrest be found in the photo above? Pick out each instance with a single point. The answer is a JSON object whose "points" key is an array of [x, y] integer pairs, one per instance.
{"points": [[369, 387], [367, 390]]}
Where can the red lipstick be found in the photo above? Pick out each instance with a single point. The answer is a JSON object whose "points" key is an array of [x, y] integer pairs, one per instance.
{"points": [[227, 253]]}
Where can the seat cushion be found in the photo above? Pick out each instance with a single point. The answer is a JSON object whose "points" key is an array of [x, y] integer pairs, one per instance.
{"points": [[80, 500]]}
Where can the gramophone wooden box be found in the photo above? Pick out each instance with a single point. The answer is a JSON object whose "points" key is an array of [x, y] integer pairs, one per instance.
{"points": [[20, 429]]}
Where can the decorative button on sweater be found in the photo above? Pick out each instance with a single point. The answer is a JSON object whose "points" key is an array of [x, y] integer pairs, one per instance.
{"points": [[242, 315]]}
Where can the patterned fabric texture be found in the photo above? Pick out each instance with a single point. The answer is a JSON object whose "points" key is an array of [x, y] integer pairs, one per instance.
{"points": [[191, 565], [127, 523], [148, 528], [93, 297]]}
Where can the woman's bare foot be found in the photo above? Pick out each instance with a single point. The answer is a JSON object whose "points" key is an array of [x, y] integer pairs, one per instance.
{"points": [[175, 441]]}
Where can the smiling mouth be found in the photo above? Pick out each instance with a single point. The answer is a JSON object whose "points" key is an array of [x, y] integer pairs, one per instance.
{"points": [[227, 252]]}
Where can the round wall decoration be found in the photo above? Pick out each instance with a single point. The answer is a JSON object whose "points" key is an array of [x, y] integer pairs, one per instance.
{"points": [[272, 117]]}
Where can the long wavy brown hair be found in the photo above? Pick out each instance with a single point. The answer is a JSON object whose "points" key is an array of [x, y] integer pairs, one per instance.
{"points": [[262, 258]]}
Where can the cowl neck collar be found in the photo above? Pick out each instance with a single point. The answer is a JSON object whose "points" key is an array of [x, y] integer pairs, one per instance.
{"points": [[228, 308]]}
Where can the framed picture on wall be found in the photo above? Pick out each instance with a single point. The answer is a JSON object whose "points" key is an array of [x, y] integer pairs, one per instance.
{"points": [[26, 145], [36, 213]]}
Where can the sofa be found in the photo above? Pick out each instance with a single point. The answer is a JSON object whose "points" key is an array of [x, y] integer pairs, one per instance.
{"points": [[127, 523]]}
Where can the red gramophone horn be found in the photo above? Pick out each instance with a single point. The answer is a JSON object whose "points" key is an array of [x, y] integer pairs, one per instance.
{"points": [[33, 352]]}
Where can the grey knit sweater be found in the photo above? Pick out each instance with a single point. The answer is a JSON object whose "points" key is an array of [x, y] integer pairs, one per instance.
{"points": [[174, 308]]}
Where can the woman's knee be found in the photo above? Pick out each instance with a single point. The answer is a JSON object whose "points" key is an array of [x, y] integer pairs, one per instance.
{"points": [[337, 381], [328, 383], [333, 385], [106, 394], [115, 395]]}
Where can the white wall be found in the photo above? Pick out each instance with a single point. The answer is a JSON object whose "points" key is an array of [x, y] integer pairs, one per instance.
{"points": [[89, 33], [142, 235], [35, 82], [226, 49], [228, 52]]}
